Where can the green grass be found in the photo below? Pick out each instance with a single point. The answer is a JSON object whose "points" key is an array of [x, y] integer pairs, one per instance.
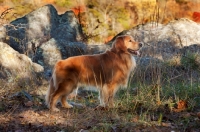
{"points": [[141, 106]]}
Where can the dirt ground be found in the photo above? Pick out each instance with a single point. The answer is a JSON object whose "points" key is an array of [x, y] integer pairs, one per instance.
{"points": [[19, 114]]}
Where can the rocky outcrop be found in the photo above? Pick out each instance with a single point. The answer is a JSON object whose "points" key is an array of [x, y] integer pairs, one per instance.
{"points": [[2, 33], [45, 36], [31, 31], [53, 50], [16, 67], [165, 41], [170, 51], [96, 49]]}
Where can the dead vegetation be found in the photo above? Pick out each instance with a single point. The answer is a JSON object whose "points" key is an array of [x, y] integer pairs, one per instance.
{"points": [[137, 110]]}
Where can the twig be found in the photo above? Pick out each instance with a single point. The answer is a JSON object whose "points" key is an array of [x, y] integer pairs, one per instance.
{"points": [[4, 13], [11, 111]]}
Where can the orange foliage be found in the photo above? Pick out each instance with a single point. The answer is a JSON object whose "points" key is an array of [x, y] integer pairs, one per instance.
{"points": [[48, 1], [181, 106], [3, 8], [196, 16], [106, 40], [79, 9]]}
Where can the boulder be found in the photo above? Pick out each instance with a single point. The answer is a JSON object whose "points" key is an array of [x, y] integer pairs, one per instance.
{"points": [[96, 49], [53, 50], [68, 28], [16, 67], [44, 36], [29, 32], [170, 52], [165, 41], [2, 33]]}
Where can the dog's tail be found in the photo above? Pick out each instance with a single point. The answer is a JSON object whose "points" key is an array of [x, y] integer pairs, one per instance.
{"points": [[50, 90]]}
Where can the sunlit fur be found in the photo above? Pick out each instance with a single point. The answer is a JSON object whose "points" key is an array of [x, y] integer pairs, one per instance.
{"points": [[107, 72]]}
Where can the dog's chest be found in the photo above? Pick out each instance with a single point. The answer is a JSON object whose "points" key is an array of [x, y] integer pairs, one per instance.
{"points": [[133, 63], [129, 66]]}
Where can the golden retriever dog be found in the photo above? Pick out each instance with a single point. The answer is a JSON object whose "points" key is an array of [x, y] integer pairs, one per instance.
{"points": [[107, 72]]}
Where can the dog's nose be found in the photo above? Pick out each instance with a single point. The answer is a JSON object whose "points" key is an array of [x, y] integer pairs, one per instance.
{"points": [[140, 44]]}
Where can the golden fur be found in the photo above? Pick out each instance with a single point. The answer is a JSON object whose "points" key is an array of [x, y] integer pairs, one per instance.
{"points": [[107, 71]]}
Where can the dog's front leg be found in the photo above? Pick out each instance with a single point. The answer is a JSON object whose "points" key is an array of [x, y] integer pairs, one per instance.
{"points": [[107, 96], [101, 98], [111, 90]]}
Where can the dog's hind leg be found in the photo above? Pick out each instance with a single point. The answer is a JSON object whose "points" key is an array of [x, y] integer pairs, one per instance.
{"points": [[69, 87], [54, 100], [50, 91], [56, 95], [64, 89], [64, 102]]}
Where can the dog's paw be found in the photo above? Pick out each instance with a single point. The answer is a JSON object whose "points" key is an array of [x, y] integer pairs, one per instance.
{"points": [[55, 109], [68, 106]]}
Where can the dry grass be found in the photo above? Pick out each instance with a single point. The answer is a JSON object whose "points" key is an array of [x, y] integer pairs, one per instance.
{"points": [[137, 108], [148, 104]]}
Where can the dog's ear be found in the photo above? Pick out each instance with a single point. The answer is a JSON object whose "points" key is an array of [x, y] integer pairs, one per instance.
{"points": [[119, 44]]}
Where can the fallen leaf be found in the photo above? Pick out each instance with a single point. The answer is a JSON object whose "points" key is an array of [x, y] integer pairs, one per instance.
{"points": [[158, 102], [181, 106], [29, 104], [166, 124], [135, 119]]}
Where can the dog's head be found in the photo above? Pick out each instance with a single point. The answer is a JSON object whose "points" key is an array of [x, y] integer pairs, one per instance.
{"points": [[127, 44]]}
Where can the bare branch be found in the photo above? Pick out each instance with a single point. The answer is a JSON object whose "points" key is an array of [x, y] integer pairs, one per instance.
{"points": [[4, 13]]}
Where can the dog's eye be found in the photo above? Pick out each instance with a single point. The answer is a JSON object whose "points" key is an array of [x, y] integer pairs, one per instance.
{"points": [[130, 40]]}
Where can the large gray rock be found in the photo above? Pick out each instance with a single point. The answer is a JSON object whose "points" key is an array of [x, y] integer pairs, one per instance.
{"points": [[165, 41], [16, 67], [96, 49], [2, 33], [53, 50], [171, 52], [45, 36], [32, 30], [68, 28]]}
